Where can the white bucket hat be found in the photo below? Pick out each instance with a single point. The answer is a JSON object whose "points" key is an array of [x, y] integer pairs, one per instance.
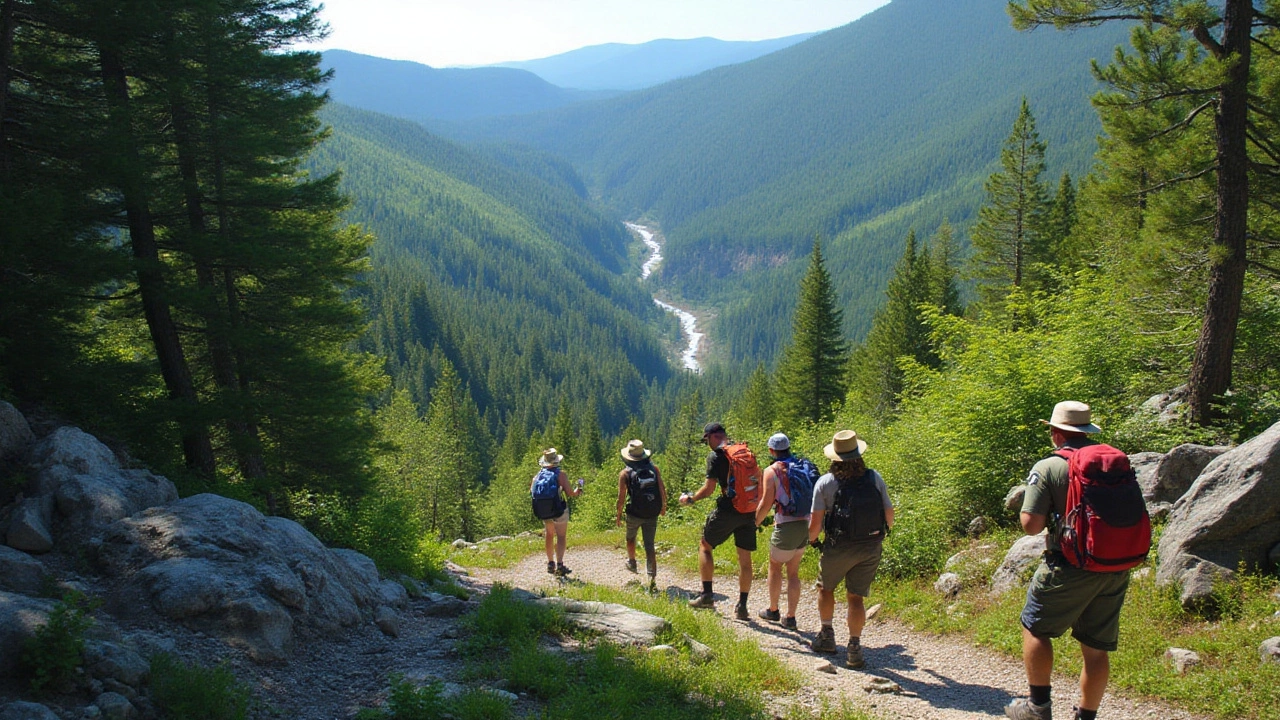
{"points": [[550, 458], [845, 445], [1072, 416], [635, 451]]}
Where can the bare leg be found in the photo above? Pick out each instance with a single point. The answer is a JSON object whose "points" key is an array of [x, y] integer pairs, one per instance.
{"points": [[706, 564], [857, 614], [826, 606], [549, 534], [562, 530], [1094, 677], [793, 585], [1037, 656], [775, 585], [744, 570]]}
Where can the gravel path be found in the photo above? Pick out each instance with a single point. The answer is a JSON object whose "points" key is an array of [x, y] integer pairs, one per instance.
{"points": [[942, 678]]}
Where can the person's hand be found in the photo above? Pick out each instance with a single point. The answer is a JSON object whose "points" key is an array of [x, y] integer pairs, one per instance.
{"points": [[663, 511], [619, 521], [816, 545], [686, 499]]}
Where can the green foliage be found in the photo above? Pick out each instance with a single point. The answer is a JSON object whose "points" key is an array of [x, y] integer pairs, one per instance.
{"points": [[813, 366], [191, 692], [52, 655]]}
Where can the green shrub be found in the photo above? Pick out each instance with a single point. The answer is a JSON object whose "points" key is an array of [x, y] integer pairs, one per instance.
{"points": [[191, 692], [57, 649]]}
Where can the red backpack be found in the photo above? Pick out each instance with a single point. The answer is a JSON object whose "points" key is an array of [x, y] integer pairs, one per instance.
{"points": [[744, 478], [1106, 527]]}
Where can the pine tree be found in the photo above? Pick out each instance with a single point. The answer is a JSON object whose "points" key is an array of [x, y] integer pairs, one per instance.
{"points": [[455, 474], [813, 368], [754, 408], [682, 457], [1062, 218]]}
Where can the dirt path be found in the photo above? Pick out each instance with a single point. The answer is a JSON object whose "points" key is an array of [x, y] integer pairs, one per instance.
{"points": [[943, 678]]}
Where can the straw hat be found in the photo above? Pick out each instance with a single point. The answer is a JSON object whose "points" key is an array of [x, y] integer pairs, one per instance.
{"points": [[550, 458], [845, 445], [635, 451], [1072, 416]]}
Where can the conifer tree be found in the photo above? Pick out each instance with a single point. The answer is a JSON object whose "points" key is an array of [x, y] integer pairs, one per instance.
{"points": [[754, 409], [682, 457], [1062, 217], [813, 367], [455, 475]]}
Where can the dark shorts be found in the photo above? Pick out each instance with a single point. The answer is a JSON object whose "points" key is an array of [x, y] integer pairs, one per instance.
{"points": [[648, 526], [724, 521], [1088, 603], [854, 563]]}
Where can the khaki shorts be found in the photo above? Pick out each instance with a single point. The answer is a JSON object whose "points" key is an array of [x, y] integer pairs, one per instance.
{"points": [[854, 563], [1062, 596], [562, 520], [788, 541]]}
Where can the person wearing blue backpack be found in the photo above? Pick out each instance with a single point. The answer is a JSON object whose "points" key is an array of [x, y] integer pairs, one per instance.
{"points": [[549, 489], [788, 491], [640, 488]]}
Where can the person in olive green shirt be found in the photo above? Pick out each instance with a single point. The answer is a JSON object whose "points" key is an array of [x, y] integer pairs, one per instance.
{"points": [[1062, 596]]}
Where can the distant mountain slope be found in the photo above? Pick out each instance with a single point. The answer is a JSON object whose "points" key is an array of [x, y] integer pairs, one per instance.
{"points": [[420, 92], [859, 134], [494, 260], [618, 66]]}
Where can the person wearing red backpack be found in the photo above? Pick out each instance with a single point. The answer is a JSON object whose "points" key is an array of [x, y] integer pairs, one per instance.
{"points": [[1086, 494], [733, 468]]}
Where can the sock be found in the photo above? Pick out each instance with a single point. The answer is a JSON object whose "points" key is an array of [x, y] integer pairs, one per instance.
{"points": [[706, 587], [742, 598], [1086, 714], [854, 641], [826, 624], [1040, 694]]}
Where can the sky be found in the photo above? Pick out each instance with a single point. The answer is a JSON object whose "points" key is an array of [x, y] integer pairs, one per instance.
{"points": [[445, 33]]}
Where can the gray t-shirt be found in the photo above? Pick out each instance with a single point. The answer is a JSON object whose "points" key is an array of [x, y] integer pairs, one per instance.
{"points": [[824, 493]]}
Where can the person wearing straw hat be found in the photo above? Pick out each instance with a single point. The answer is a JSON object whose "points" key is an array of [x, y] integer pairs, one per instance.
{"points": [[851, 507], [640, 488], [1060, 596], [555, 528]]}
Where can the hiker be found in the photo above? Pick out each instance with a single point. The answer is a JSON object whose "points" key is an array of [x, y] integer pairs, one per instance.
{"points": [[851, 507], [733, 467], [551, 508], [640, 487], [1074, 587], [788, 491]]}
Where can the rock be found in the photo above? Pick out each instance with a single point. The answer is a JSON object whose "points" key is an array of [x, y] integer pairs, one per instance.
{"points": [[1159, 510], [1269, 650], [1144, 466], [873, 611], [1167, 407], [495, 538], [15, 433], [19, 617], [502, 694], [1141, 573], [663, 650], [619, 623], [1183, 660], [393, 593], [111, 661], [825, 666], [883, 686], [1273, 557], [26, 711], [948, 584], [452, 690], [1230, 515], [91, 712], [461, 544], [1023, 556], [1013, 499], [412, 587], [87, 504], [1176, 470], [29, 529], [77, 451], [978, 526], [387, 620], [115, 706], [443, 606], [221, 567], [698, 651], [19, 572]]}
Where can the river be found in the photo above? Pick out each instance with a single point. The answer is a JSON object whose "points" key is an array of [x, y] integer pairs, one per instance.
{"points": [[688, 323]]}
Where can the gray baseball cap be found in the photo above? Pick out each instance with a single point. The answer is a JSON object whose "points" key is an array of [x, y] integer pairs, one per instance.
{"points": [[779, 442]]}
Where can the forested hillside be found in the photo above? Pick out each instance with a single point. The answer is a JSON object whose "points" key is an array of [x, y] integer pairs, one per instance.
{"points": [[858, 134]]}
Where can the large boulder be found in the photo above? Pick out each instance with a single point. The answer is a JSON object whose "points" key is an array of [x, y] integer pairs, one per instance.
{"points": [[1230, 515], [1144, 465], [619, 623], [15, 433], [1175, 471], [26, 711], [1024, 555], [19, 572], [19, 617], [257, 582], [29, 527]]}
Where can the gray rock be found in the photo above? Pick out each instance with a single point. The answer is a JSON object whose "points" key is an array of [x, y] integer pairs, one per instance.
{"points": [[19, 617], [947, 584], [443, 606], [1230, 515], [1159, 510], [1013, 499], [387, 620], [452, 690], [1274, 556], [393, 593], [1183, 660], [461, 544], [495, 538], [1177, 470], [619, 623], [26, 711], [1269, 650], [112, 661], [77, 451], [1167, 408], [28, 529], [87, 504], [873, 611], [883, 686], [1144, 466], [15, 433], [502, 694], [663, 650], [978, 526], [825, 666], [115, 706], [1022, 557], [91, 712], [19, 572], [699, 651]]}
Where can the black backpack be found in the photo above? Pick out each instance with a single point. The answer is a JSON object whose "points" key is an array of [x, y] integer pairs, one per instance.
{"points": [[643, 499], [858, 512], [547, 503]]}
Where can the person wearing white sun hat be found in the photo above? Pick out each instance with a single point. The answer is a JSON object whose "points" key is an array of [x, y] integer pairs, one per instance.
{"points": [[550, 507], [640, 488]]}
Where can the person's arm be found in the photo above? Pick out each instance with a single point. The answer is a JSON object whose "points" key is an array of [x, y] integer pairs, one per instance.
{"points": [[888, 518], [705, 491], [815, 524], [622, 495], [568, 489], [1033, 524], [766, 498], [888, 504], [662, 491]]}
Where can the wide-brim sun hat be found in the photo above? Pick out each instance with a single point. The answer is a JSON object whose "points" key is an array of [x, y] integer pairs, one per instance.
{"points": [[635, 451], [845, 445], [550, 458], [1072, 416]]}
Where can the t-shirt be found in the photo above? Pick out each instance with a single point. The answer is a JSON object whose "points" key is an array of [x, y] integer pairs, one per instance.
{"points": [[1047, 490], [824, 492], [718, 468]]}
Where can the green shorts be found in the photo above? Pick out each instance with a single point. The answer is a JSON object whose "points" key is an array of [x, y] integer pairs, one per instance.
{"points": [[854, 563], [725, 521], [1062, 596], [788, 540]]}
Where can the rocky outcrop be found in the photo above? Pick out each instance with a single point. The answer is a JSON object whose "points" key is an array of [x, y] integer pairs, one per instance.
{"points": [[26, 711], [1021, 558], [29, 527], [19, 617], [1169, 478], [15, 433], [1230, 515], [257, 582], [19, 572], [619, 623]]}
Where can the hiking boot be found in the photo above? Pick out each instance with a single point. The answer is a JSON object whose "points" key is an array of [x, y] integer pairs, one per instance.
{"points": [[1024, 709], [853, 657], [551, 567], [740, 611], [653, 585], [702, 601], [789, 623], [772, 616], [631, 565], [561, 570], [824, 641]]}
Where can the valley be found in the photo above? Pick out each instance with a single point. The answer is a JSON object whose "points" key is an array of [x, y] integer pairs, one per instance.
{"points": [[688, 321]]}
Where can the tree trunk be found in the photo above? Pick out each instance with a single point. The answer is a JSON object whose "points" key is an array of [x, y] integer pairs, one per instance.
{"points": [[196, 445], [1211, 364], [6, 56]]}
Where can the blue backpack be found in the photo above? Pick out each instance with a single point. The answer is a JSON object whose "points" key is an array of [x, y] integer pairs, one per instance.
{"points": [[547, 502], [798, 478]]}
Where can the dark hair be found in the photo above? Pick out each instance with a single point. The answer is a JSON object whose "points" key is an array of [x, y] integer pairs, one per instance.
{"points": [[849, 469]]}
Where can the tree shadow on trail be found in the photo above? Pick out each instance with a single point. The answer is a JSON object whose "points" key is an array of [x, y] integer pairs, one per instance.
{"points": [[890, 661]]}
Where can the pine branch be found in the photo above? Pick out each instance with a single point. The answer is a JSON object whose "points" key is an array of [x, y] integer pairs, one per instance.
{"points": [[1174, 181], [1184, 123]]}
